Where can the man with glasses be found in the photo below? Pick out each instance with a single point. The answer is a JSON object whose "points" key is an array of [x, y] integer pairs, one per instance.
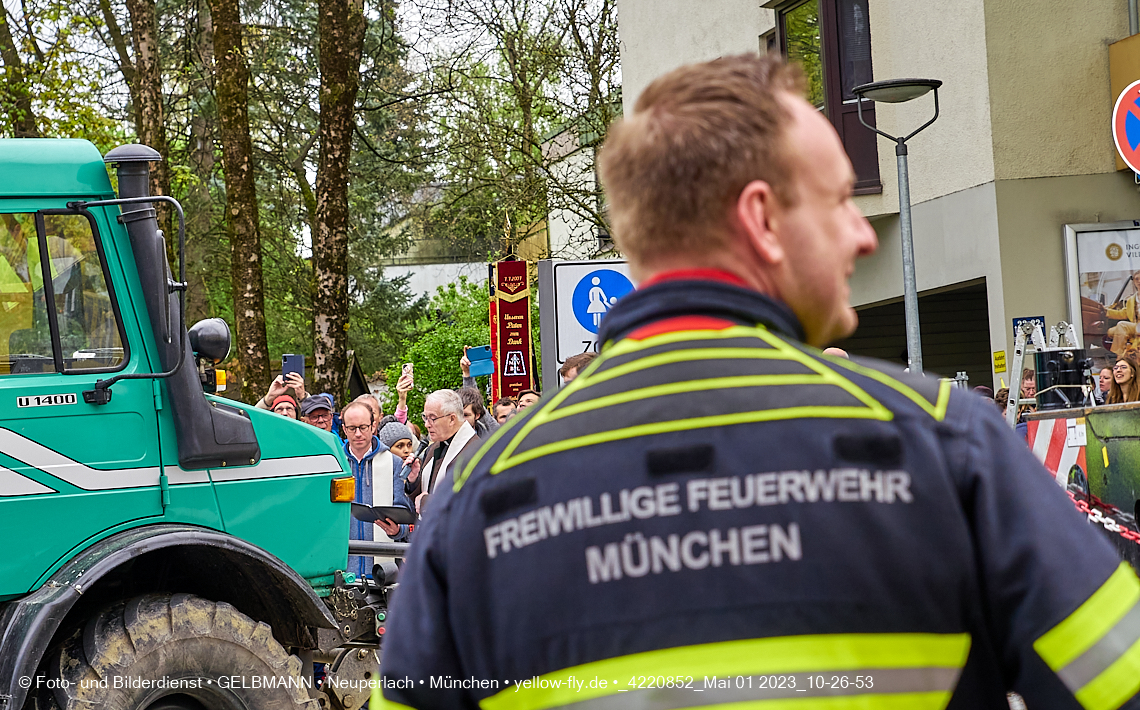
{"points": [[317, 410], [450, 435], [285, 405], [377, 480]]}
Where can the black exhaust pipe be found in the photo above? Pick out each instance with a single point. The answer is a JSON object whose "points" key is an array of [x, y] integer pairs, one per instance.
{"points": [[209, 435]]}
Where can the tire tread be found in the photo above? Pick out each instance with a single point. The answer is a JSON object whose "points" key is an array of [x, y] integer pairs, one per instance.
{"points": [[117, 640]]}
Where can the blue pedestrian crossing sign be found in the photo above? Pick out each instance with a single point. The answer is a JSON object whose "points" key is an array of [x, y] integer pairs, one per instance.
{"points": [[574, 298], [595, 294]]}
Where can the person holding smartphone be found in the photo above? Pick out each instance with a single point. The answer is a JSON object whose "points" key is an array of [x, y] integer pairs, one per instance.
{"points": [[404, 385], [281, 385]]}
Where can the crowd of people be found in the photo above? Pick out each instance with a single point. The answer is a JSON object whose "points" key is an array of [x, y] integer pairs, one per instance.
{"points": [[394, 461], [1118, 384], [455, 420], [1115, 384]]}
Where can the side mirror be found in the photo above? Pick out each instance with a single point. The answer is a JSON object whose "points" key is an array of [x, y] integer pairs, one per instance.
{"points": [[210, 339]]}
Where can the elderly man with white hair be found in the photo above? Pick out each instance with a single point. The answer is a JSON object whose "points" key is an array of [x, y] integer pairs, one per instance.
{"points": [[450, 435]]}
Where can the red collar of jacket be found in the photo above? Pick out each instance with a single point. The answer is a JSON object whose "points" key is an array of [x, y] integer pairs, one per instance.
{"points": [[694, 275]]}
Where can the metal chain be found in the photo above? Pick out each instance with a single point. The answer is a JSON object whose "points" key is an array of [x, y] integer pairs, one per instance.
{"points": [[1106, 521]]}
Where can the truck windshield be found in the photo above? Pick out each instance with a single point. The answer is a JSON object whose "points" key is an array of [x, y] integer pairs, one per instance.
{"points": [[89, 335]]}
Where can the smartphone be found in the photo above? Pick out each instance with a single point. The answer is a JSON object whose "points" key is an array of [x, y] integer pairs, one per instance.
{"points": [[481, 361], [407, 368], [293, 363]]}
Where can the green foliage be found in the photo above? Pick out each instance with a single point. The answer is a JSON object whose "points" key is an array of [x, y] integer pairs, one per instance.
{"points": [[457, 316], [523, 75], [802, 27], [495, 193], [280, 40], [65, 87], [382, 316]]}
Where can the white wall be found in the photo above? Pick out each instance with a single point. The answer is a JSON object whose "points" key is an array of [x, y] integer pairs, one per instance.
{"points": [[956, 240], [932, 40], [660, 35], [946, 257], [571, 236], [425, 278], [1049, 85]]}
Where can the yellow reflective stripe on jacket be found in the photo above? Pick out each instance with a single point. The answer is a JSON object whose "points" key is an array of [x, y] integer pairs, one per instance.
{"points": [[924, 668], [862, 701], [865, 406], [937, 410], [1095, 651], [629, 345], [819, 371], [377, 701]]}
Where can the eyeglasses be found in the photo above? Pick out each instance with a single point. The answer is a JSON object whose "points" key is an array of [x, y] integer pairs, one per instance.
{"points": [[430, 418], [320, 417], [358, 429]]}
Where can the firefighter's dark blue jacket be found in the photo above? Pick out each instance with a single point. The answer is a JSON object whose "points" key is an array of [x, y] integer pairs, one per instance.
{"points": [[714, 514]]}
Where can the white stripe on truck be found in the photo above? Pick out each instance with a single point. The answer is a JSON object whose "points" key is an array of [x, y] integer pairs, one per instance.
{"points": [[277, 468], [77, 474], [13, 484], [83, 476]]}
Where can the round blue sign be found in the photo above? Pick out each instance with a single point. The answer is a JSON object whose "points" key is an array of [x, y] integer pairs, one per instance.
{"points": [[596, 294]]}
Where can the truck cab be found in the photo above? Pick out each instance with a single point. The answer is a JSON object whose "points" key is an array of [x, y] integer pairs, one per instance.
{"points": [[129, 497]]}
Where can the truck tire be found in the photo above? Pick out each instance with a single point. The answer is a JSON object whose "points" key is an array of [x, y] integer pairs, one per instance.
{"points": [[197, 654]]}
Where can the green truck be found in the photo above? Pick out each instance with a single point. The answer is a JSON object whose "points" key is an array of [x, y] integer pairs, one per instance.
{"points": [[1094, 454], [165, 548]]}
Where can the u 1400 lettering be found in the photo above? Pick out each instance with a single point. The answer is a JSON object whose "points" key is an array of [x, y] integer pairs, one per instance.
{"points": [[46, 400]]}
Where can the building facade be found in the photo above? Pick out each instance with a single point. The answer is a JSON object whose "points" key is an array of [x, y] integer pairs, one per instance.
{"points": [[1022, 146]]}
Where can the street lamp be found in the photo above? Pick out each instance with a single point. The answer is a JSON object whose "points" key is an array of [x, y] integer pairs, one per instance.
{"points": [[897, 91]]}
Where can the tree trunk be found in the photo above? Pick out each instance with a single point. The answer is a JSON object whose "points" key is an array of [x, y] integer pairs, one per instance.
{"points": [[119, 43], [232, 86], [150, 122], [341, 26], [16, 98], [308, 199], [198, 202]]}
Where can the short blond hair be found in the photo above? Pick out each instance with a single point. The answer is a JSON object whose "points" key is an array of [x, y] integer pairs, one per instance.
{"points": [[696, 137]]}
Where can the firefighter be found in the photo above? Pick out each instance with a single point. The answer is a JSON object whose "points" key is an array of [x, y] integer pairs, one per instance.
{"points": [[715, 512]]}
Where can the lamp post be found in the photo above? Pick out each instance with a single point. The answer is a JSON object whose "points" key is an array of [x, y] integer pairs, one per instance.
{"points": [[897, 91]]}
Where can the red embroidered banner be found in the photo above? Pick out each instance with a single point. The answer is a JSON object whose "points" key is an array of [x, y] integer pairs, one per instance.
{"points": [[511, 325]]}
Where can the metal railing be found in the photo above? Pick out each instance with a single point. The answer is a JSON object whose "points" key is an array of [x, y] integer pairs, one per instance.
{"points": [[372, 548]]}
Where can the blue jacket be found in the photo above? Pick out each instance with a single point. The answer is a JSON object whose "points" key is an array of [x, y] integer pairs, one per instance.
{"points": [[362, 471], [713, 506]]}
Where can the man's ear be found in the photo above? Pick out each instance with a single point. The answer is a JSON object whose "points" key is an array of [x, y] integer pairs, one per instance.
{"points": [[757, 212]]}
